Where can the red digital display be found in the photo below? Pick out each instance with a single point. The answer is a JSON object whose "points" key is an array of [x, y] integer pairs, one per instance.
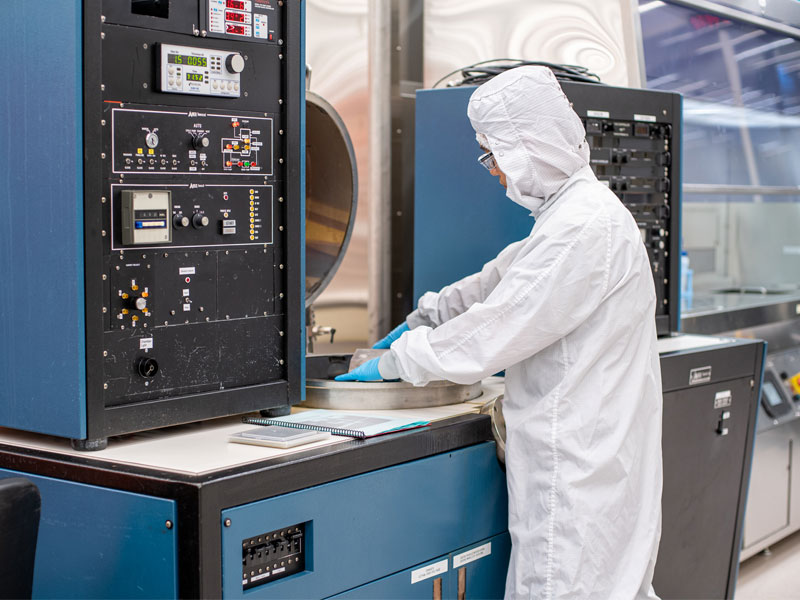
{"points": [[234, 16], [238, 4], [237, 29]]}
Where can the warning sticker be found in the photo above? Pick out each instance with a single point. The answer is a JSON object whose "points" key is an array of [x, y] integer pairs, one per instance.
{"points": [[145, 343]]}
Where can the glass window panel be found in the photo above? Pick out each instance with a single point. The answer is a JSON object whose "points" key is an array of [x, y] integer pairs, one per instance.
{"points": [[741, 88]]}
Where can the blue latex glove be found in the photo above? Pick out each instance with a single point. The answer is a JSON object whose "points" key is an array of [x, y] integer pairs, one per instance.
{"points": [[393, 335], [366, 372]]}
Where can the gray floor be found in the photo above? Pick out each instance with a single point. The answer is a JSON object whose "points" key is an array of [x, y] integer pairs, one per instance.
{"points": [[775, 576]]}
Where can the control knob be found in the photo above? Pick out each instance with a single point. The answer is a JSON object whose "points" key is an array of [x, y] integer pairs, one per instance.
{"points": [[180, 220], [199, 220], [200, 141], [234, 63]]}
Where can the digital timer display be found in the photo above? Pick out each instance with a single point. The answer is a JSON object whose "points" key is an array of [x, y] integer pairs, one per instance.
{"points": [[234, 16], [192, 61], [194, 77], [238, 4], [237, 29]]}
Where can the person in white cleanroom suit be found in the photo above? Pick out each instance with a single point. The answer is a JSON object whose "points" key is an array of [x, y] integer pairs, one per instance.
{"points": [[569, 313]]}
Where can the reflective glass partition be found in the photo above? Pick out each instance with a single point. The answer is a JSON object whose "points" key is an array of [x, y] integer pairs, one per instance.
{"points": [[741, 170]]}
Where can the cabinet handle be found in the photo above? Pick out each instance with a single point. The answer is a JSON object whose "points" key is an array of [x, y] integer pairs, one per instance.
{"points": [[437, 588], [462, 583]]}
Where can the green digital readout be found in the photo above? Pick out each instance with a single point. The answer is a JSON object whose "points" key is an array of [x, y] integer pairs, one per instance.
{"points": [[192, 61], [194, 76]]}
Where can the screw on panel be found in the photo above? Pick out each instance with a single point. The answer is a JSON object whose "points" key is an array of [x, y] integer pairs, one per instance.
{"points": [[144, 85], [208, 319], [172, 312], [280, 199], [102, 155], [105, 277], [664, 111], [280, 295], [103, 233], [102, 35], [204, 33], [280, 227], [207, 253], [281, 333], [227, 316], [144, 45], [102, 18], [168, 524], [148, 266], [280, 131], [103, 122], [105, 352], [280, 42], [201, 309], [196, 32], [280, 160], [166, 254], [117, 267], [280, 2], [102, 87], [752, 384], [280, 56], [280, 100], [103, 199], [105, 386]]}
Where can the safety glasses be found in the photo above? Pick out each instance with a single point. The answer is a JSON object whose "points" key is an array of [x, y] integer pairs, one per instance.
{"points": [[488, 161]]}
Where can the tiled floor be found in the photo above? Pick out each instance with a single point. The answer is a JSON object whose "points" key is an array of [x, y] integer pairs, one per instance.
{"points": [[772, 577]]}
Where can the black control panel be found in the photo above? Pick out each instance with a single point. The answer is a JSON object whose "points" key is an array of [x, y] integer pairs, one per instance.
{"points": [[273, 555], [634, 141], [193, 211]]}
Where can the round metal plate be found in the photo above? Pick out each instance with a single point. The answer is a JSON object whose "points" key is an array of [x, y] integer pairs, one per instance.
{"points": [[331, 193], [385, 395]]}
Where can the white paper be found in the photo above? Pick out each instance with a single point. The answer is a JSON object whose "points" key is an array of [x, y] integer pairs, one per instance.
{"points": [[472, 555], [430, 571]]}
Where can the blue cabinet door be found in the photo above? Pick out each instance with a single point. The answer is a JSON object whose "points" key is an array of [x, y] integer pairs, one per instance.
{"points": [[479, 571], [423, 582]]}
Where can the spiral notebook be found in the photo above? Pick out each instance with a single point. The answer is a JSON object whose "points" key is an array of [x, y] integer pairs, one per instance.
{"points": [[357, 425]]}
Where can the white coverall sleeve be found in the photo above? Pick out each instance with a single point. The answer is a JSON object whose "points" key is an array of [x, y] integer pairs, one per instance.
{"points": [[435, 308], [558, 280]]}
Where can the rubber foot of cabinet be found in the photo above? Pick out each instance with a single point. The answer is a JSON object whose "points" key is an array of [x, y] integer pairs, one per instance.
{"points": [[90, 445]]}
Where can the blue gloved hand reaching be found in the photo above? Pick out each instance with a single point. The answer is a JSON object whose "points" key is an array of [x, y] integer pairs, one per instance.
{"points": [[393, 335], [366, 372]]}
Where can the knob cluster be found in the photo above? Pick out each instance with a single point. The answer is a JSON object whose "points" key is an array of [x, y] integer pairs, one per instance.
{"points": [[198, 221]]}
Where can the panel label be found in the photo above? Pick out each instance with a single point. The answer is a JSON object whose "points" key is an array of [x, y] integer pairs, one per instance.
{"points": [[186, 271], [723, 399], [429, 571], [645, 118], [699, 375], [472, 555], [145, 343], [599, 114]]}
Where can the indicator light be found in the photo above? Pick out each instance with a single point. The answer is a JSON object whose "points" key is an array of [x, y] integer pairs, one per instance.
{"points": [[252, 192], [225, 215], [228, 163], [228, 146], [124, 296], [252, 220], [134, 318], [145, 294], [188, 279], [252, 164], [236, 147], [139, 151], [125, 311], [252, 237], [239, 163], [247, 163], [246, 140], [247, 147], [151, 151], [252, 214], [134, 287]]}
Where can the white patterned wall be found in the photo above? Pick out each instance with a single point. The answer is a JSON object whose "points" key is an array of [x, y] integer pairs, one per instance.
{"points": [[597, 34]]}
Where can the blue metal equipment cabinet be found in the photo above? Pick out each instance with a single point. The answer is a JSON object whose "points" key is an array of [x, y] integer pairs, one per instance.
{"points": [[412, 515]]}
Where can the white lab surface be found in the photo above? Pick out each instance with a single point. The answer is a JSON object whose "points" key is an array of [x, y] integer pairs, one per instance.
{"points": [[568, 312]]}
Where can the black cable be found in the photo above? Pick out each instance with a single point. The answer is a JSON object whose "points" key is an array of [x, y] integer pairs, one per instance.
{"points": [[483, 71]]}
